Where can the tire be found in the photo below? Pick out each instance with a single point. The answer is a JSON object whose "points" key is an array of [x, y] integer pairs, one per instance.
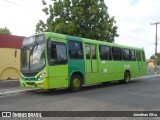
{"points": [[126, 79], [76, 83]]}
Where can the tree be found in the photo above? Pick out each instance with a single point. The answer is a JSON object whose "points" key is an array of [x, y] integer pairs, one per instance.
{"points": [[83, 18], [5, 31], [158, 58]]}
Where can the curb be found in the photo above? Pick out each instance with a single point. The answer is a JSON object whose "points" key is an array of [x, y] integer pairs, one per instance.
{"points": [[15, 92], [8, 80], [150, 76]]}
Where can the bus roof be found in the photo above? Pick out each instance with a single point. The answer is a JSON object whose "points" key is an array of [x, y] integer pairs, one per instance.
{"points": [[86, 40]]}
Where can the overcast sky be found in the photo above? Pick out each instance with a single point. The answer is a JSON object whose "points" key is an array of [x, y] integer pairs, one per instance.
{"points": [[133, 19]]}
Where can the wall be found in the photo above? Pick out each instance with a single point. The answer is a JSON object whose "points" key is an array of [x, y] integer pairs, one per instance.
{"points": [[10, 46], [9, 63]]}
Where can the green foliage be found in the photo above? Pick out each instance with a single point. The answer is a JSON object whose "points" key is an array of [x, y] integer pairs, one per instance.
{"points": [[158, 58], [5, 31], [83, 18]]}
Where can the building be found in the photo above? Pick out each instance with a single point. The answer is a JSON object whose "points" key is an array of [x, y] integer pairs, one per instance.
{"points": [[150, 63], [10, 46]]}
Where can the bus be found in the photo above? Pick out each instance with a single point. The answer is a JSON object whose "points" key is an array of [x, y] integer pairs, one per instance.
{"points": [[50, 61]]}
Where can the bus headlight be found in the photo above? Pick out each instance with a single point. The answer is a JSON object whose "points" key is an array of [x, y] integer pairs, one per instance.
{"points": [[42, 75]]}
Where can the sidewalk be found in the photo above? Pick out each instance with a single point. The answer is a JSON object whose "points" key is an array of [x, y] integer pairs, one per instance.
{"points": [[10, 87]]}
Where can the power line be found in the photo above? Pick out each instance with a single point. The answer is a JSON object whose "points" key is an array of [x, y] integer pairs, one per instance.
{"points": [[20, 5], [31, 3], [12, 2]]}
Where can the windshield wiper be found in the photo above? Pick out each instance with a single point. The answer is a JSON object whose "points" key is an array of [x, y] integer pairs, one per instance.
{"points": [[32, 61]]}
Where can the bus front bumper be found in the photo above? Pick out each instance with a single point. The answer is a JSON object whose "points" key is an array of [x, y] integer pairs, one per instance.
{"points": [[43, 84]]}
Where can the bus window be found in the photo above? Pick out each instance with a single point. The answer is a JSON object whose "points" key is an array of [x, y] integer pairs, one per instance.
{"points": [[138, 54], [93, 50], [105, 52], [116, 53], [143, 56], [88, 51], [75, 50], [58, 54], [133, 57], [126, 54]]}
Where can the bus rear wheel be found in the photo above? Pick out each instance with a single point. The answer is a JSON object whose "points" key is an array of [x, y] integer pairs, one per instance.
{"points": [[76, 83], [126, 79]]}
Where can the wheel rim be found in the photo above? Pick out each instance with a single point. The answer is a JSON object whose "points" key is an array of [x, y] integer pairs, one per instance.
{"points": [[76, 83], [127, 77]]}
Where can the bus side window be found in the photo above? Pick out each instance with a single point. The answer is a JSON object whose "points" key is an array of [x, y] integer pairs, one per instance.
{"points": [[58, 53], [133, 57], [88, 51], [75, 50], [138, 55], [126, 54], [93, 50], [143, 56], [117, 53], [105, 52], [53, 51]]}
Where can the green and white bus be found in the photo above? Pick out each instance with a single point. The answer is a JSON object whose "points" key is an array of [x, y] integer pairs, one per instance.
{"points": [[52, 60]]}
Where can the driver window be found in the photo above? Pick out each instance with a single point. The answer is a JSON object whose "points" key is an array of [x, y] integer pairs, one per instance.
{"points": [[58, 53]]}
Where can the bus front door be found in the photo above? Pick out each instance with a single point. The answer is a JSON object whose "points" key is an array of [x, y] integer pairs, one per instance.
{"points": [[58, 66], [91, 64]]}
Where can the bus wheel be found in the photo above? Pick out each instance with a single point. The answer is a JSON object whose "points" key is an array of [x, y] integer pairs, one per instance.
{"points": [[126, 79], [76, 83]]}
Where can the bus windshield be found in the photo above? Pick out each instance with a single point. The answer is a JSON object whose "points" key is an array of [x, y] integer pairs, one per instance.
{"points": [[33, 53]]}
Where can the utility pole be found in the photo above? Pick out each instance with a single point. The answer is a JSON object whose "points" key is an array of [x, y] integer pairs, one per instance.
{"points": [[156, 43]]}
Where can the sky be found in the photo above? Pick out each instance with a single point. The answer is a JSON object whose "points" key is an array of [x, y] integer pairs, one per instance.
{"points": [[133, 19]]}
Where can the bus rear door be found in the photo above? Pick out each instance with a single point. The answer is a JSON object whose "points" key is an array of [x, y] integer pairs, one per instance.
{"points": [[139, 60], [91, 64]]}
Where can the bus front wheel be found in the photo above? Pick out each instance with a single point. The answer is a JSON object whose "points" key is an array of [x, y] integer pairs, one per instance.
{"points": [[76, 83]]}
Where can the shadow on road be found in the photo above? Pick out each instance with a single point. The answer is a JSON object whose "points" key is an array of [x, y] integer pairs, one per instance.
{"points": [[84, 89]]}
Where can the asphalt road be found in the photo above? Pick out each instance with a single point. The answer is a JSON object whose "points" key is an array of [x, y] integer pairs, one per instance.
{"points": [[142, 94]]}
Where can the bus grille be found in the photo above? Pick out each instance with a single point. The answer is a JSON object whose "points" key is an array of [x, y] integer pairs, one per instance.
{"points": [[30, 83]]}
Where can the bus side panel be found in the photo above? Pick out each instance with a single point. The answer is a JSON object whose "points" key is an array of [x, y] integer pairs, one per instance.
{"points": [[58, 76], [75, 65], [114, 70], [58, 73]]}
